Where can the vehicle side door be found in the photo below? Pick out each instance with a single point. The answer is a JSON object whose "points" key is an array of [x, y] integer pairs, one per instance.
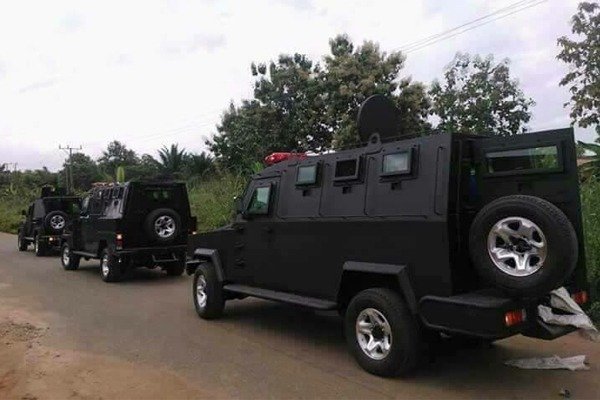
{"points": [[28, 223], [89, 219], [254, 233]]}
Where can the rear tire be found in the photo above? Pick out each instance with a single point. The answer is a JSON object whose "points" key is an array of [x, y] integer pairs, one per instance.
{"points": [[110, 268], [69, 261], [524, 245], [207, 292], [381, 333], [39, 247]]}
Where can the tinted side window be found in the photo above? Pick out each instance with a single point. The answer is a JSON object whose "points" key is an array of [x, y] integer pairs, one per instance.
{"points": [[541, 159], [259, 202]]}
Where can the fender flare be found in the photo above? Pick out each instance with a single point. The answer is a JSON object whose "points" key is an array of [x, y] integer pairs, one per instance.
{"points": [[399, 271], [211, 255]]}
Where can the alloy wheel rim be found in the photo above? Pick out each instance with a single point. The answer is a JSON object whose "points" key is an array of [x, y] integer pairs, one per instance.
{"points": [[57, 222], [517, 246], [374, 334], [201, 295], [66, 257], [104, 265], [164, 226]]}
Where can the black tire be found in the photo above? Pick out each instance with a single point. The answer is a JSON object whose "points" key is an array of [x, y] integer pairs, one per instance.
{"points": [[110, 268], [214, 302], [176, 268], [39, 247], [21, 243], [69, 261], [557, 234], [56, 221], [154, 216], [406, 347]]}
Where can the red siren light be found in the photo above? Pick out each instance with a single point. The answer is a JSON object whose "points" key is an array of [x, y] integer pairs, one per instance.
{"points": [[275, 158]]}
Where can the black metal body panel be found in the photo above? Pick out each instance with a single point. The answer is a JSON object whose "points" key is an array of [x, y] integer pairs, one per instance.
{"points": [[409, 227], [122, 209]]}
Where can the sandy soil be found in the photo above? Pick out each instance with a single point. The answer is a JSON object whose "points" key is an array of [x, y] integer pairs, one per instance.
{"points": [[29, 369]]}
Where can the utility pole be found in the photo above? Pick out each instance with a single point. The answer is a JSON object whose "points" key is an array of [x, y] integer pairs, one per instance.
{"points": [[69, 169]]}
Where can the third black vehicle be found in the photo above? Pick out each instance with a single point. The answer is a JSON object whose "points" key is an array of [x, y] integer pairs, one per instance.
{"points": [[45, 220], [407, 237], [136, 224]]}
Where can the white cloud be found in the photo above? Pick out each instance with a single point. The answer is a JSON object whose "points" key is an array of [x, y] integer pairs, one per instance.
{"points": [[155, 72]]}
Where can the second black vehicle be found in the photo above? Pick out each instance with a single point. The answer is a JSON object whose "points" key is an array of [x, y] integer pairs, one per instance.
{"points": [[135, 224]]}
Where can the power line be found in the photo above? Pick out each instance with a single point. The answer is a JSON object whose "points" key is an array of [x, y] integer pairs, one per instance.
{"points": [[433, 39], [437, 35], [69, 171]]}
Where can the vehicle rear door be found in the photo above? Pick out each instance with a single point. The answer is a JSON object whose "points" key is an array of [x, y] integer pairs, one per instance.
{"points": [[541, 164]]}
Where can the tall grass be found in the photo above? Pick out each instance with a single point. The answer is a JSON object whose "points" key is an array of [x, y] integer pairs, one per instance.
{"points": [[590, 208]]}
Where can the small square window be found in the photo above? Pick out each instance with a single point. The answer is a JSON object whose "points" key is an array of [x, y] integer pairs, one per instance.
{"points": [[528, 159], [307, 175], [346, 170], [396, 163], [259, 203]]}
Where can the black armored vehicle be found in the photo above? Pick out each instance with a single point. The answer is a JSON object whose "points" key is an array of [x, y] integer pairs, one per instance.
{"points": [[408, 238], [45, 220], [135, 224]]}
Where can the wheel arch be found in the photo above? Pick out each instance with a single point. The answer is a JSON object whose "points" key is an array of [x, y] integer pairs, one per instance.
{"points": [[202, 255], [358, 276]]}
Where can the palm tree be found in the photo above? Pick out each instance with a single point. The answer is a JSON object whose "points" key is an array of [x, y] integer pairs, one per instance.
{"points": [[172, 160], [199, 164], [591, 165]]}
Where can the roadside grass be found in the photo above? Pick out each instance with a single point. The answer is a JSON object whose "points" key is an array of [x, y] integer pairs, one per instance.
{"points": [[10, 211]]}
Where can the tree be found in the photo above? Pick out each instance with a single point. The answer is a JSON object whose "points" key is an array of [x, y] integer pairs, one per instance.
{"points": [[172, 159], [198, 164], [591, 167], [583, 56], [85, 171], [352, 74], [147, 169], [300, 106], [479, 97], [115, 155]]}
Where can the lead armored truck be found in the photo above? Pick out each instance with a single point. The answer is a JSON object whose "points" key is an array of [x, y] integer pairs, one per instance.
{"points": [[130, 225], [45, 219], [407, 237]]}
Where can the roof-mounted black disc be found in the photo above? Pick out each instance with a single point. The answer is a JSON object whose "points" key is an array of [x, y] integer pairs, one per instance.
{"points": [[377, 114]]}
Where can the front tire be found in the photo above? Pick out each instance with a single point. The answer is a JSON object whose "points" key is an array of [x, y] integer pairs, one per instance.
{"points": [[69, 261], [110, 268], [21, 243], [381, 333], [207, 292]]}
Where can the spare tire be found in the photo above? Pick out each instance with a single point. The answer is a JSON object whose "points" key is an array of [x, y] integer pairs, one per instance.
{"points": [[56, 221], [162, 225], [523, 245]]}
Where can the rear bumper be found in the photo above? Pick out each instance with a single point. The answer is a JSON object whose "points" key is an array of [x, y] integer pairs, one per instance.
{"points": [[163, 254], [51, 240], [482, 314]]}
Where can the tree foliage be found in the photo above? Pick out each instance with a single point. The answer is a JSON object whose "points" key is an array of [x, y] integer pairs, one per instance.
{"points": [[85, 171], [115, 155], [172, 159], [478, 96], [300, 105], [591, 167], [582, 53]]}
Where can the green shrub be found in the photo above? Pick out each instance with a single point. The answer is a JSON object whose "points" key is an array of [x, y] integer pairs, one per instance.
{"points": [[590, 208], [11, 206], [213, 200]]}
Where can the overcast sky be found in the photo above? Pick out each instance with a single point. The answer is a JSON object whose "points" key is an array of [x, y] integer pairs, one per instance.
{"points": [[152, 73]]}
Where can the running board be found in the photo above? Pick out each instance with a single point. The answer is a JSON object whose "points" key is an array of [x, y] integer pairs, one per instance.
{"points": [[84, 254], [268, 294]]}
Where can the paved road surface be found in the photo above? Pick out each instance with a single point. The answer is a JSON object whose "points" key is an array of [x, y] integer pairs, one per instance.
{"points": [[259, 349]]}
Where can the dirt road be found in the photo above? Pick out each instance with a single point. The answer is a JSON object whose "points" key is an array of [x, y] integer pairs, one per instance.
{"points": [[70, 335]]}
